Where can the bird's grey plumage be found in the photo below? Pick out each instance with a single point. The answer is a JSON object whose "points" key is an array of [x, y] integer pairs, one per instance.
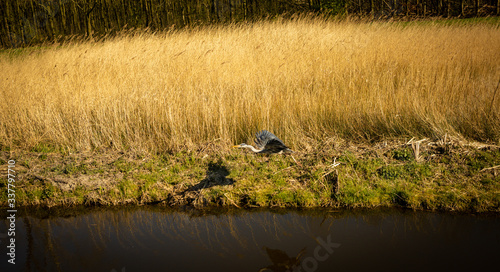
{"points": [[267, 143]]}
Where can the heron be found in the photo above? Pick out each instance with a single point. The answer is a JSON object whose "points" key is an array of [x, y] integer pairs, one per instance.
{"points": [[267, 143]]}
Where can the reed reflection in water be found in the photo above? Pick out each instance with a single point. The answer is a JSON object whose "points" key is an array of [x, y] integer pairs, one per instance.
{"points": [[159, 239]]}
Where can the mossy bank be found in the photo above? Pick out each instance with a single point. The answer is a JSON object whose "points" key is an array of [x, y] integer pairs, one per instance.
{"points": [[422, 175]]}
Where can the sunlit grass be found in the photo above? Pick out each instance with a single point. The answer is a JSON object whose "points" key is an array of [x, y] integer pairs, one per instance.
{"points": [[306, 80]]}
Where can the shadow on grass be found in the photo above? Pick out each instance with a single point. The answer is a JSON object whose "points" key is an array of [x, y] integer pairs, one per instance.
{"points": [[216, 175]]}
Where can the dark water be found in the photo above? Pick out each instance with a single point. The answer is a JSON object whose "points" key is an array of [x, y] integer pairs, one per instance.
{"points": [[160, 239]]}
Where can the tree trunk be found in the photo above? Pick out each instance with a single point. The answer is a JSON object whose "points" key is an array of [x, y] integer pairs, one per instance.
{"points": [[76, 19], [88, 12], [146, 12], [63, 17], [50, 16], [8, 30], [35, 25]]}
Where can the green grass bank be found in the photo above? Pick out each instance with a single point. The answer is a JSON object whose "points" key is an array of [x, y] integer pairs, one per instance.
{"points": [[444, 176]]}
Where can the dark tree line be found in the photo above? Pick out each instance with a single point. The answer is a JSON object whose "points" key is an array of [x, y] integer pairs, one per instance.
{"points": [[424, 8], [27, 22]]}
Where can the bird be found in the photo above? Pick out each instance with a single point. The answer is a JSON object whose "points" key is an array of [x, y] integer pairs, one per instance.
{"points": [[267, 143]]}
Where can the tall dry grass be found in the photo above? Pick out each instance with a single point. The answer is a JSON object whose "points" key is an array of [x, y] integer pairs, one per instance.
{"points": [[304, 79]]}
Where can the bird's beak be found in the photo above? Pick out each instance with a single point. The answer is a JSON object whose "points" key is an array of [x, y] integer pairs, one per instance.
{"points": [[236, 146]]}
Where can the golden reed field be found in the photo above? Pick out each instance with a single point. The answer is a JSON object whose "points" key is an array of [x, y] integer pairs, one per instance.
{"points": [[307, 80]]}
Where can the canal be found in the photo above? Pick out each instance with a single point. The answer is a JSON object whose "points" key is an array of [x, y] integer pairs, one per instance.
{"points": [[164, 239]]}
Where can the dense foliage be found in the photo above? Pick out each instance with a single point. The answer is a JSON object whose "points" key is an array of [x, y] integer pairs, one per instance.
{"points": [[29, 22]]}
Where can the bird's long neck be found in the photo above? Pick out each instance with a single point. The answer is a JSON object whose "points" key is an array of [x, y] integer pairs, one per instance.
{"points": [[255, 150]]}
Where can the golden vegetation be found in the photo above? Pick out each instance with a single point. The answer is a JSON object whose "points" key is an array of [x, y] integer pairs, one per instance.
{"points": [[306, 80]]}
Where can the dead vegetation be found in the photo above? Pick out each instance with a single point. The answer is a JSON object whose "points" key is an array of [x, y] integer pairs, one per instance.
{"points": [[306, 79]]}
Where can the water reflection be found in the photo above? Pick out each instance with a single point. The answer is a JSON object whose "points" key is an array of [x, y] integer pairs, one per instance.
{"points": [[141, 239], [281, 261]]}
